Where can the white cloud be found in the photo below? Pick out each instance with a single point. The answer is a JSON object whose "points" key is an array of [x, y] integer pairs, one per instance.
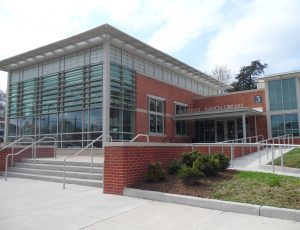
{"points": [[184, 21], [269, 31]]}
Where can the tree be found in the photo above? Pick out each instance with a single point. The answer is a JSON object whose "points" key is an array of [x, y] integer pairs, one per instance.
{"points": [[221, 73], [246, 79]]}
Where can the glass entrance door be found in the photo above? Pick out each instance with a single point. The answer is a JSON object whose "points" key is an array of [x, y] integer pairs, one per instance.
{"points": [[220, 131], [230, 129]]}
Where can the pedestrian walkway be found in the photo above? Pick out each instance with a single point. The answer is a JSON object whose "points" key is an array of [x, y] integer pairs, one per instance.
{"points": [[251, 162], [34, 205]]}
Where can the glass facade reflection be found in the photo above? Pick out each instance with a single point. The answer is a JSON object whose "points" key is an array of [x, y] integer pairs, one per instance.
{"points": [[283, 107], [285, 124], [282, 94], [123, 102], [66, 104]]}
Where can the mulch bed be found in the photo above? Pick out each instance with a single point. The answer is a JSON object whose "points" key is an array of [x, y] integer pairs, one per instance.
{"points": [[204, 187]]}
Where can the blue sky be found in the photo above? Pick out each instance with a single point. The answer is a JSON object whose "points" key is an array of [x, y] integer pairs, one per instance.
{"points": [[201, 33]]}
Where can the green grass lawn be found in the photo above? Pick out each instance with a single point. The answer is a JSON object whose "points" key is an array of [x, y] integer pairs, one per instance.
{"points": [[290, 159], [260, 188]]}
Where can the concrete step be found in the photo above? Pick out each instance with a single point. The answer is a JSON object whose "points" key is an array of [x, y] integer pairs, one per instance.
{"points": [[77, 175], [84, 182], [61, 162], [69, 168]]}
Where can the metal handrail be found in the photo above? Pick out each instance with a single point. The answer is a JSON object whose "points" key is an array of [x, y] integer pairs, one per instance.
{"points": [[17, 141], [234, 140], [257, 144], [77, 153], [140, 135], [27, 147]]}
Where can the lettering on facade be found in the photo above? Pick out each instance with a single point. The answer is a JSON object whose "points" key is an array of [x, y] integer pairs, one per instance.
{"points": [[223, 107], [211, 108]]}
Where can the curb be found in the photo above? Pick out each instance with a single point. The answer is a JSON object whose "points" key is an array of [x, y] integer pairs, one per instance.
{"points": [[227, 206]]}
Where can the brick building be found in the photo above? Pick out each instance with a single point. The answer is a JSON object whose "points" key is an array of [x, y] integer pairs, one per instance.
{"points": [[104, 81]]}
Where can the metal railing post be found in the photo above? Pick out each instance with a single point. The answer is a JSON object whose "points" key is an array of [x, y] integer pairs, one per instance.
{"points": [[64, 177], [273, 166], [92, 161], [34, 159], [231, 155], [12, 156], [209, 150], [259, 157], [6, 163], [281, 157]]}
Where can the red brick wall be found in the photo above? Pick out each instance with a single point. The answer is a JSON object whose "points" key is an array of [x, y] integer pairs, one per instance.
{"points": [[127, 165], [40, 152], [247, 99], [170, 93], [244, 97]]}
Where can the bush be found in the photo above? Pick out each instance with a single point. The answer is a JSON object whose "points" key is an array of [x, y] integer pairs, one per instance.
{"points": [[174, 166], [155, 173], [189, 175], [207, 165], [189, 158], [223, 161]]}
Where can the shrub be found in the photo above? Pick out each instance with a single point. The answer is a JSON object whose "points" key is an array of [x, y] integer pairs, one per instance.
{"points": [[174, 166], [207, 165], [189, 158], [223, 161], [155, 173], [189, 175]]}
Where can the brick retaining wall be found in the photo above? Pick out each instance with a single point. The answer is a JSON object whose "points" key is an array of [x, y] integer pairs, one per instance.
{"points": [[126, 164]]}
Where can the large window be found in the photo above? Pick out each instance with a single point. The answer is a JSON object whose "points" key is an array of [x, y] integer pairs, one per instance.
{"points": [[285, 124], [122, 96], [282, 94], [57, 104], [181, 126], [156, 115], [205, 131]]}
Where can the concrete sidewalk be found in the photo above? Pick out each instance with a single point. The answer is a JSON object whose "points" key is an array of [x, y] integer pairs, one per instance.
{"points": [[28, 204]]}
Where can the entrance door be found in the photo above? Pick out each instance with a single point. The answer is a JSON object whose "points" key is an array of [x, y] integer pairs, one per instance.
{"points": [[230, 129], [220, 131]]}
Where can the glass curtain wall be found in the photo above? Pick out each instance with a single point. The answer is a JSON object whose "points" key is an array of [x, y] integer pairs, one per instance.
{"points": [[283, 107], [123, 102], [66, 104]]}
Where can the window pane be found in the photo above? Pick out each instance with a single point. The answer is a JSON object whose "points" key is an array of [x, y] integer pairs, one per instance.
{"points": [[152, 123], [72, 122], [152, 105], [159, 124]]}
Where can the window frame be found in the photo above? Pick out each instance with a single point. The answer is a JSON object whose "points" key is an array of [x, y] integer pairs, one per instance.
{"points": [[157, 114], [182, 123]]}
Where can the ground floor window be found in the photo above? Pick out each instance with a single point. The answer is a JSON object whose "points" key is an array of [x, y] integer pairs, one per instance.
{"points": [[121, 124], [71, 129], [181, 126], [156, 115], [282, 124], [220, 130]]}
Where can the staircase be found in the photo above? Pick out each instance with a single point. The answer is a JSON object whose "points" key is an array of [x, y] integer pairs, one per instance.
{"points": [[78, 173]]}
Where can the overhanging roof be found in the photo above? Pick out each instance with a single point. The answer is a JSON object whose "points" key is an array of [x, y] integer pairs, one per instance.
{"points": [[281, 75], [97, 36], [217, 114]]}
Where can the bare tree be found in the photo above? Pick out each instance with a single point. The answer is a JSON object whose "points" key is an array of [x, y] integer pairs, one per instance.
{"points": [[221, 73]]}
